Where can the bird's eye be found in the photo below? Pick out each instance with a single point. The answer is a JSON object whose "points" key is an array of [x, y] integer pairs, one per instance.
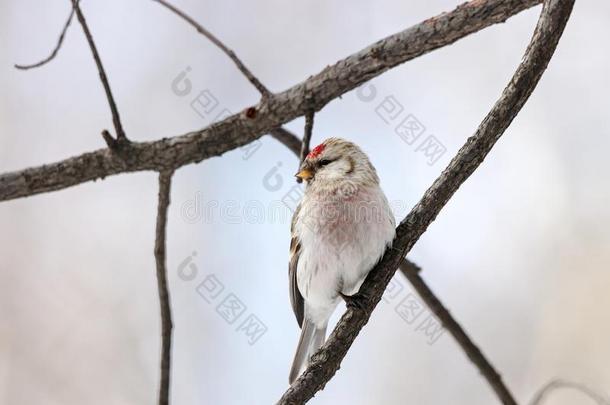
{"points": [[325, 162]]}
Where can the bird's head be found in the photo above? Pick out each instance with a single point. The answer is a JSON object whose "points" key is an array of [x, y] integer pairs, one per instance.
{"points": [[336, 160]]}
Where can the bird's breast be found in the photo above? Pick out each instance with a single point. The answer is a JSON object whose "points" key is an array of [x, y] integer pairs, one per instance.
{"points": [[341, 240]]}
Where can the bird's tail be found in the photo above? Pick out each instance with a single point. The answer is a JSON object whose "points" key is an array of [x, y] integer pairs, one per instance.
{"points": [[311, 340]]}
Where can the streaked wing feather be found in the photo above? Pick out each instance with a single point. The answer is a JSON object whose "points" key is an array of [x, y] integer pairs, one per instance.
{"points": [[296, 299]]}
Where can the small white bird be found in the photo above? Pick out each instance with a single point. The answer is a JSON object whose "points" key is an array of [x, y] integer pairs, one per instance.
{"points": [[339, 232]]}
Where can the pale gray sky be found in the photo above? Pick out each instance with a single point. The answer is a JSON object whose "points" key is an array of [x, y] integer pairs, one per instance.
{"points": [[519, 255]]}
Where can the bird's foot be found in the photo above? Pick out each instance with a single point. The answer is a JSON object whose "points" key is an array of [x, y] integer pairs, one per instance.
{"points": [[357, 300]]}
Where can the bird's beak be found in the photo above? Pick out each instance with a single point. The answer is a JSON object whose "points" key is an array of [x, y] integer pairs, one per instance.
{"points": [[304, 174]]}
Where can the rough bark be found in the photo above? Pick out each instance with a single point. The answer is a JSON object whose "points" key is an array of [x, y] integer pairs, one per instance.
{"points": [[273, 111]]}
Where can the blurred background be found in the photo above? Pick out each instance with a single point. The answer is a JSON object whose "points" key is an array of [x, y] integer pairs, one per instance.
{"points": [[519, 255]]}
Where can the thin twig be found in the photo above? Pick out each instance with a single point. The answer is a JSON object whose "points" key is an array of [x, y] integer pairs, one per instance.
{"points": [[306, 139], [55, 50], [307, 135], [325, 363], [165, 183], [240, 65], [556, 384], [238, 130], [411, 272], [116, 120], [281, 134], [288, 139]]}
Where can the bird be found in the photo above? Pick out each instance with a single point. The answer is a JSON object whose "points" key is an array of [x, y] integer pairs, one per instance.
{"points": [[339, 231]]}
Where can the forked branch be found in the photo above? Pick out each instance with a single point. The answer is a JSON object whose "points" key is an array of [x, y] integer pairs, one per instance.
{"points": [[116, 119], [281, 134], [273, 111]]}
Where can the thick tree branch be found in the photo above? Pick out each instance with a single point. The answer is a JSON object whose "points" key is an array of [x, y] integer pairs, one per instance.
{"points": [[57, 46], [116, 119], [326, 362], [411, 272], [277, 109], [165, 183]]}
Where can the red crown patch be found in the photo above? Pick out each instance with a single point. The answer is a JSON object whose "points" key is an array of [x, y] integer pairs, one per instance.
{"points": [[315, 152]]}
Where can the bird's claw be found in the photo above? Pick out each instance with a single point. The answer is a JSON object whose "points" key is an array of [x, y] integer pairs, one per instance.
{"points": [[357, 300]]}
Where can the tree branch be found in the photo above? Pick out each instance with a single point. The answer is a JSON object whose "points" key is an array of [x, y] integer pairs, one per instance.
{"points": [[288, 139], [411, 272], [281, 134], [326, 362], [240, 65], [240, 129], [306, 135], [165, 180], [116, 119], [556, 384], [55, 50]]}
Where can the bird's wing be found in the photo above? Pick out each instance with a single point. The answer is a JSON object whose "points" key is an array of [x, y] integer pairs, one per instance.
{"points": [[296, 299]]}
